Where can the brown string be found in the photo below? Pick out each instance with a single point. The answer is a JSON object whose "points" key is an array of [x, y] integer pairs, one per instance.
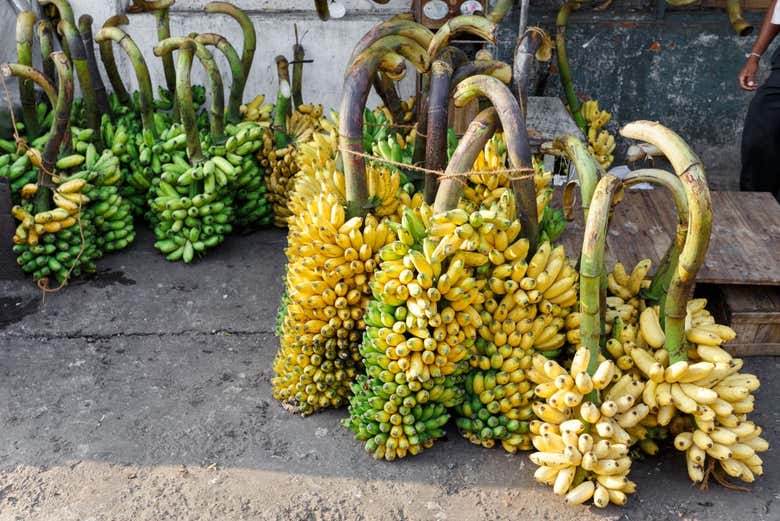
{"points": [[21, 144]]}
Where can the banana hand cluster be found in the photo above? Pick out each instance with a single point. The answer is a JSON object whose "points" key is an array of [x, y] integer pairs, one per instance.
{"points": [[257, 112], [331, 261], [69, 201], [601, 142], [17, 165], [582, 463]]}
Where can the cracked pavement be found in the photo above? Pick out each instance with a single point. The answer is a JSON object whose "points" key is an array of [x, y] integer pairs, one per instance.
{"points": [[144, 393]]}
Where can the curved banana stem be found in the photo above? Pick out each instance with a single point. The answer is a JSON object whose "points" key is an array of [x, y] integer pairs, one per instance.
{"points": [[498, 69], [162, 15], [356, 88], [592, 267], [500, 10], [282, 102], [216, 89], [518, 147], [63, 7], [479, 132], [563, 63], [248, 28], [525, 56], [323, 9], [740, 25], [465, 24], [34, 76], [396, 26], [101, 98], [184, 96], [109, 61], [114, 34], [385, 88], [690, 170], [589, 171], [46, 40], [236, 97], [78, 56], [436, 132], [25, 23], [656, 293]]}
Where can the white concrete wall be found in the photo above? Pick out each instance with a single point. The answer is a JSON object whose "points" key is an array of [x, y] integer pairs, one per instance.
{"points": [[329, 43]]}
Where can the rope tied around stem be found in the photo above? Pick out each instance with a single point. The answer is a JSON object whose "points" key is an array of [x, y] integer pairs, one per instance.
{"points": [[21, 144]]}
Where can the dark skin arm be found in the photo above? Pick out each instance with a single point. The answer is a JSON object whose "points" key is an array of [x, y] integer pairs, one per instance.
{"points": [[747, 76]]}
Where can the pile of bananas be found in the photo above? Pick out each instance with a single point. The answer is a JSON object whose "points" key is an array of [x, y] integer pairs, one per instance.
{"points": [[601, 142], [419, 335], [524, 311], [279, 162], [18, 166], [257, 112], [330, 263], [251, 206], [581, 463]]}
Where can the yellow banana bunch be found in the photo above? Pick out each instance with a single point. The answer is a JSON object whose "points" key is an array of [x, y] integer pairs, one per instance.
{"points": [[331, 261], [578, 460], [601, 142], [258, 112], [69, 201], [280, 171]]}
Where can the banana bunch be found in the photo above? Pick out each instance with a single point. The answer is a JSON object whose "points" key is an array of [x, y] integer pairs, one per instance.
{"points": [[710, 388], [601, 142], [257, 112], [18, 166], [583, 447], [484, 189], [420, 330], [377, 126], [251, 206], [69, 200], [526, 304], [318, 154], [331, 261], [408, 106]]}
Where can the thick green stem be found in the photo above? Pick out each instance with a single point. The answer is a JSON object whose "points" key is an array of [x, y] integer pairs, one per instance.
{"points": [[101, 98], [397, 26], [592, 267], [215, 87], [282, 106], [46, 40], [438, 110], [25, 28], [63, 7], [589, 171], [518, 147], [500, 10], [479, 132], [114, 34], [740, 25], [36, 77], [236, 98], [297, 78], [466, 24], [79, 58], [563, 64], [247, 27], [690, 170], [106, 49], [323, 9], [163, 18], [357, 85], [184, 96]]}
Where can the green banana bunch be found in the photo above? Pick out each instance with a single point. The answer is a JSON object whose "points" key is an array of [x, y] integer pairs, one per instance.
{"points": [[553, 224], [251, 205]]}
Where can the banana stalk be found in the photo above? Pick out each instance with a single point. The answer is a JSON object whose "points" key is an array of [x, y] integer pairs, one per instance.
{"points": [[479, 132], [495, 68], [323, 11], [63, 7], [740, 25], [592, 268], [235, 99], [399, 25], [248, 28], [500, 10], [589, 171], [690, 170], [297, 78], [25, 23], [184, 96], [109, 61], [384, 86], [525, 55], [36, 77], [101, 98], [356, 89], [282, 102], [518, 147], [110, 33], [46, 41], [216, 89], [161, 14], [467, 24], [438, 105], [563, 63], [72, 40]]}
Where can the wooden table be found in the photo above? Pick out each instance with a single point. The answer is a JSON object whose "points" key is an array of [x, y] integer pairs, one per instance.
{"points": [[744, 247]]}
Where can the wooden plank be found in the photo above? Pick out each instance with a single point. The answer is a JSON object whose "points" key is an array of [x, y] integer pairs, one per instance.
{"points": [[744, 245], [741, 350]]}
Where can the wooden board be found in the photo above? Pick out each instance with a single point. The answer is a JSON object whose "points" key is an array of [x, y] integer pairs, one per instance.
{"points": [[744, 247], [547, 118]]}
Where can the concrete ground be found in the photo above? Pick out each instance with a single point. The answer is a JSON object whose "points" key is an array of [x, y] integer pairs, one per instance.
{"points": [[144, 394]]}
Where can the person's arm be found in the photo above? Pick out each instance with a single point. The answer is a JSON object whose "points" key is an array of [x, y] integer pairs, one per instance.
{"points": [[747, 77]]}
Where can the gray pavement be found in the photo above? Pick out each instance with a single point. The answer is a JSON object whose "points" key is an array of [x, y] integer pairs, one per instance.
{"points": [[144, 393]]}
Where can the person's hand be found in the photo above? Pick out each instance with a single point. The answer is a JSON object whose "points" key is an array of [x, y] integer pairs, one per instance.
{"points": [[747, 76]]}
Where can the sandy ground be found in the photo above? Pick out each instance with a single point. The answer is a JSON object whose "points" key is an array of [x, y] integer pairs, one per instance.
{"points": [[144, 394]]}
